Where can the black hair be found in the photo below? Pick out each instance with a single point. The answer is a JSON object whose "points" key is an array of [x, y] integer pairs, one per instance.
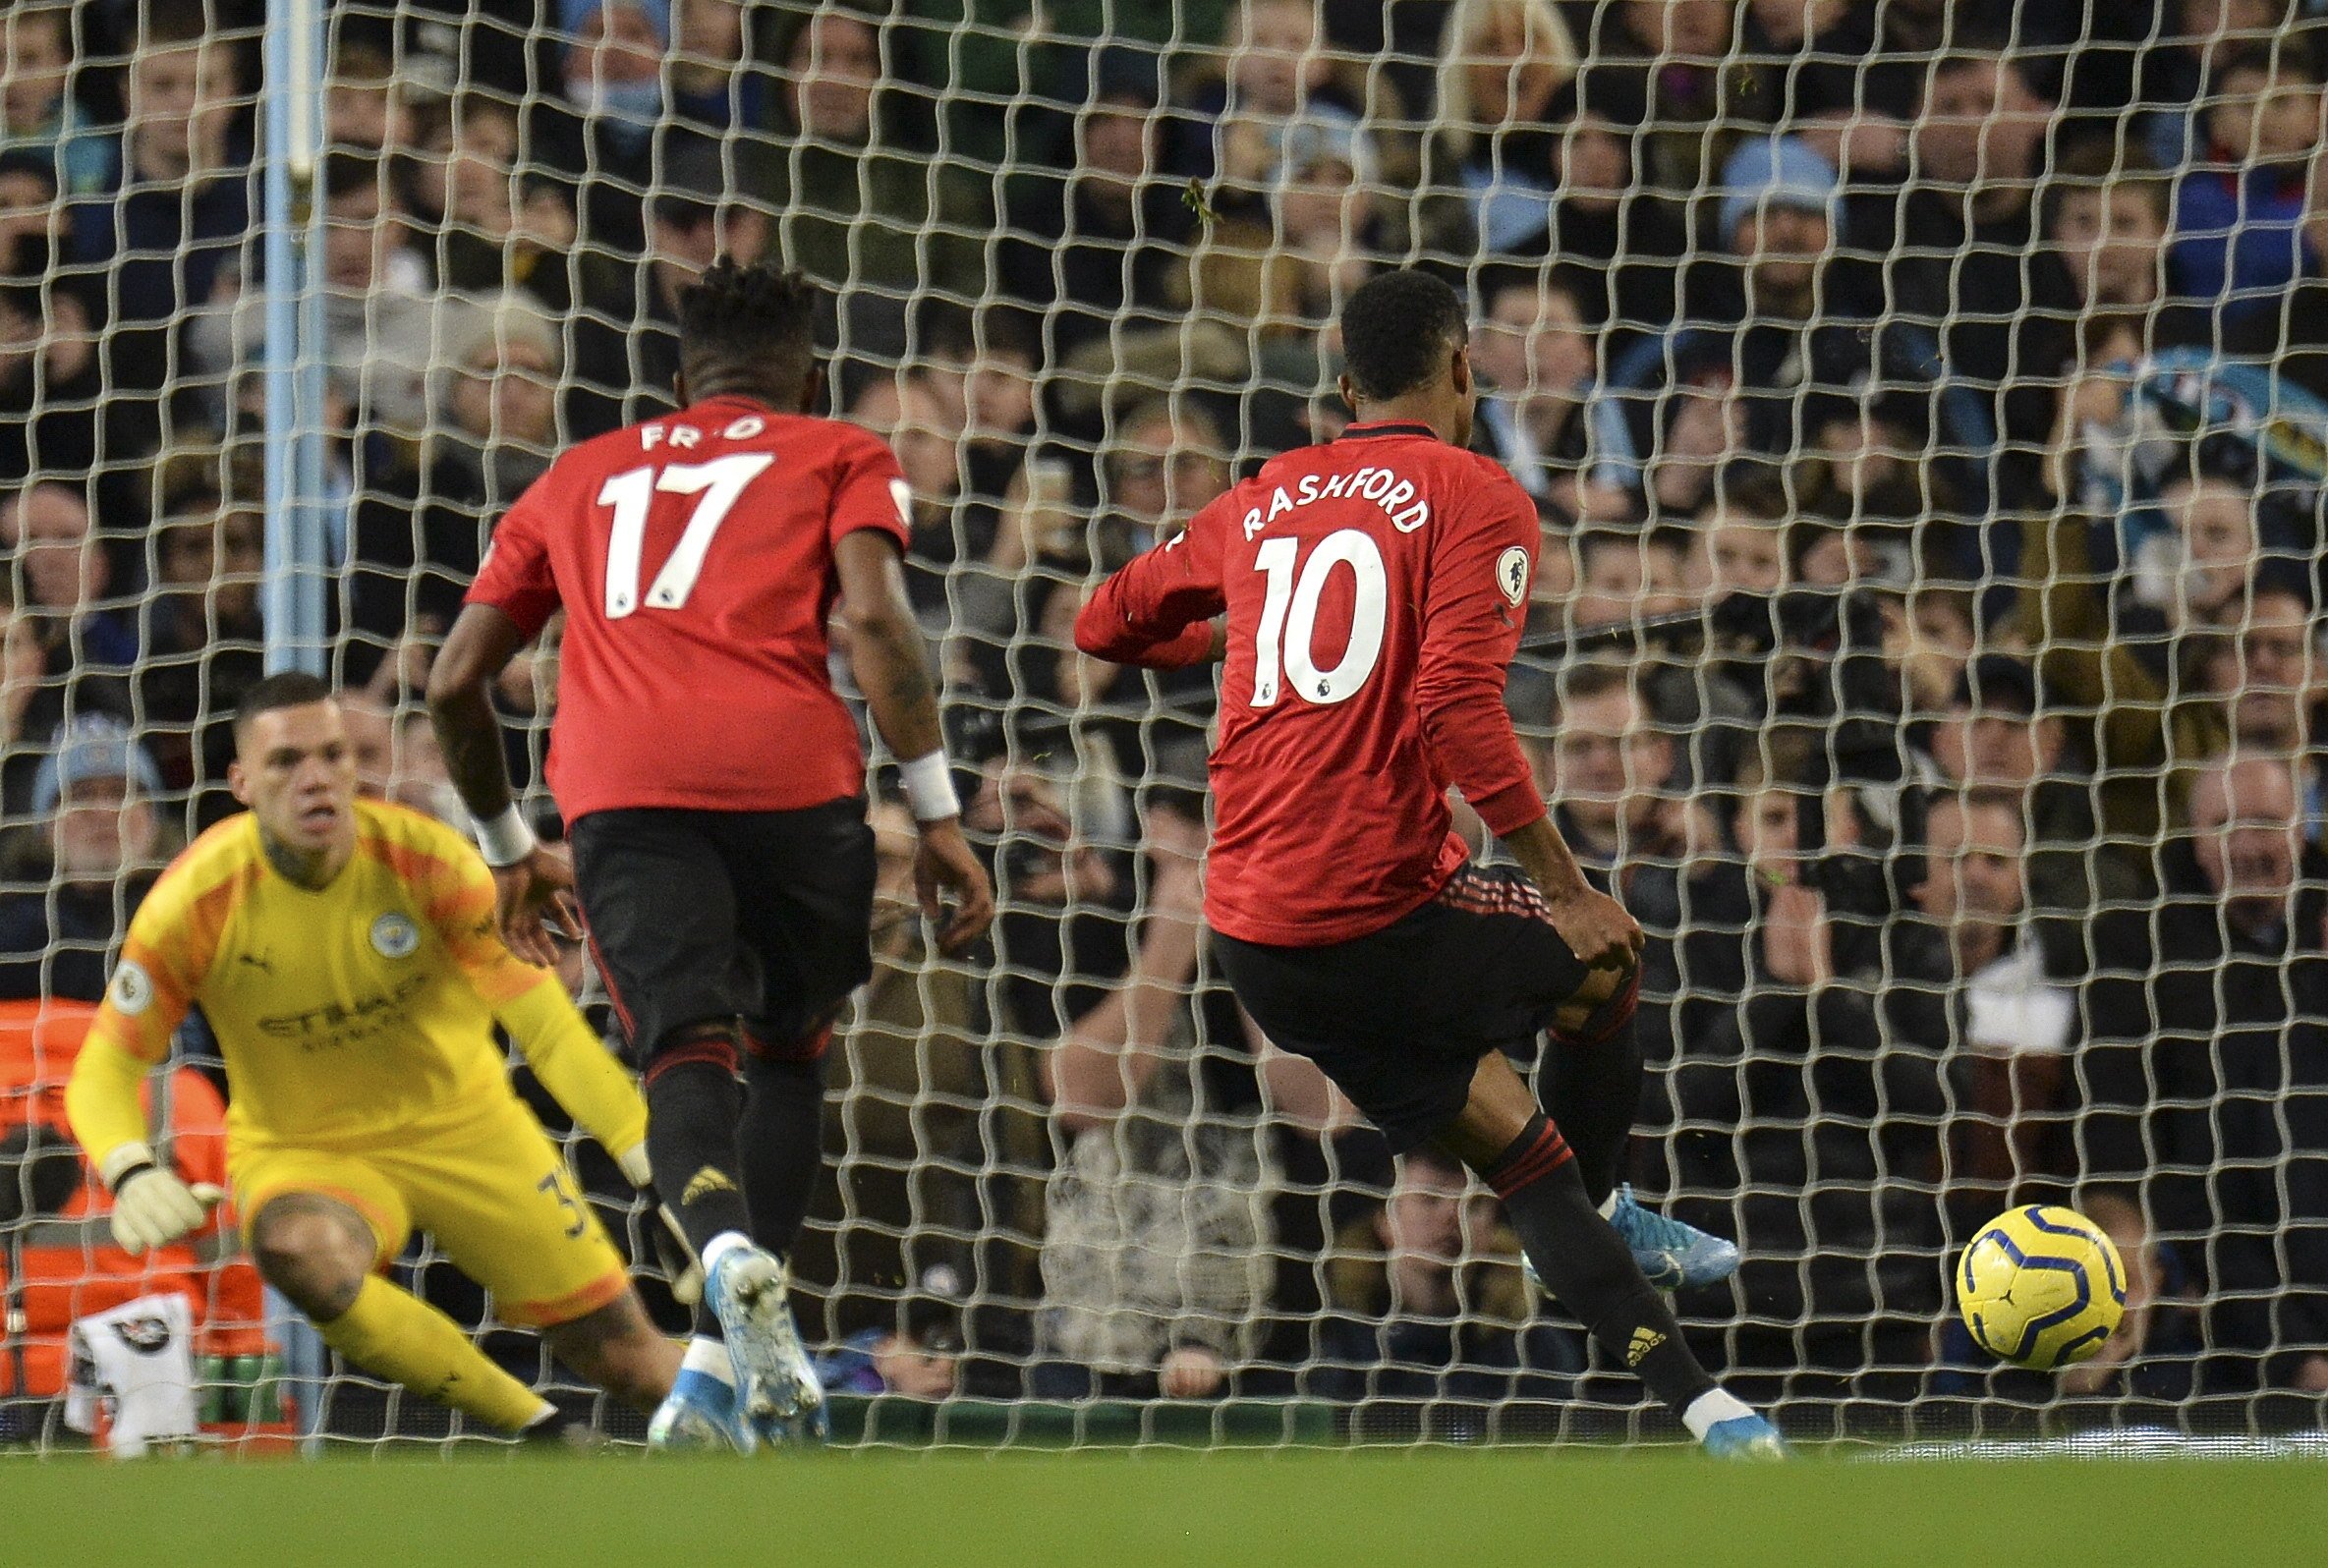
{"points": [[749, 327], [348, 171], [283, 689], [1397, 332]]}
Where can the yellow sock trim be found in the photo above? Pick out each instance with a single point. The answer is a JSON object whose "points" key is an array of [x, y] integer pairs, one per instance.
{"points": [[399, 1336]]}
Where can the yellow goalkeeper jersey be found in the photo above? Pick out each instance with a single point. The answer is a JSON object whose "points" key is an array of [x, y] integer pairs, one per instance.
{"points": [[360, 1013]]}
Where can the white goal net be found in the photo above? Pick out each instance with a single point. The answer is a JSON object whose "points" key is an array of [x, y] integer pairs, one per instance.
{"points": [[1927, 405]]}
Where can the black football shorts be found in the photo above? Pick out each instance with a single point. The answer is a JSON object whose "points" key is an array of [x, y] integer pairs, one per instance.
{"points": [[764, 916], [1401, 1017]]}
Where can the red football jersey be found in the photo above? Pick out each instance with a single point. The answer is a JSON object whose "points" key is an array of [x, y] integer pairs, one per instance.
{"points": [[1375, 588], [693, 555]]}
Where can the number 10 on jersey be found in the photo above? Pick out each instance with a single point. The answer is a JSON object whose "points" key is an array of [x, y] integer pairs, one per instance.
{"points": [[1285, 649]]}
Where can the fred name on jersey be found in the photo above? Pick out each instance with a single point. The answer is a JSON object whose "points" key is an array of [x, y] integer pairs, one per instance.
{"points": [[687, 437], [1401, 502]]}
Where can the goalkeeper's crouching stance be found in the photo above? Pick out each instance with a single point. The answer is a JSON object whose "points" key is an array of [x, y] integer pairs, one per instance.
{"points": [[344, 953]]}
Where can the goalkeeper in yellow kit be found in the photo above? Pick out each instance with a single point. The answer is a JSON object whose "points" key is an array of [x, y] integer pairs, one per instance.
{"points": [[344, 952]]}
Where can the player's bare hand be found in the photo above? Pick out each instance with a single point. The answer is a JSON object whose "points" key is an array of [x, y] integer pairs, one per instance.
{"points": [[943, 865], [1597, 929], [528, 896]]}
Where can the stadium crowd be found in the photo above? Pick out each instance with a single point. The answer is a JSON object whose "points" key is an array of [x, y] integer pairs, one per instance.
{"points": [[1925, 407]]}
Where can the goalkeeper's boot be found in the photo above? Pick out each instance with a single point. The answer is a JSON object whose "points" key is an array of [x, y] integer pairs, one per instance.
{"points": [[1747, 1437], [700, 1416], [1673, 1256], [778, 1392]]}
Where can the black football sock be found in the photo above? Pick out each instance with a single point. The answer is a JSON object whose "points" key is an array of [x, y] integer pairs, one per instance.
{"points": [[782, 1145], [694, 1106], [1587, 1265], [1592, 1088]]}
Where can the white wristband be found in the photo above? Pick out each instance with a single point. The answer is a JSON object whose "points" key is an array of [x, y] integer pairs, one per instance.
{"points": [[506, 839], [929, 788]]}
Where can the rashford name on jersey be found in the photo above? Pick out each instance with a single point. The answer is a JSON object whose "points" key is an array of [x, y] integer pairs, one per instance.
{"points": [[1375, 589]]}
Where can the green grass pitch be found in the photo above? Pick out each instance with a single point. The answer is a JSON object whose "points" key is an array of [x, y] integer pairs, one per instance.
{"points": [[1421, 1509]]}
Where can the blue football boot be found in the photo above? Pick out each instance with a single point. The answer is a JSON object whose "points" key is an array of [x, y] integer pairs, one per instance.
{"points": [[1673, 1256], [700, 1416], [778, 1394], [1747, 1437]]}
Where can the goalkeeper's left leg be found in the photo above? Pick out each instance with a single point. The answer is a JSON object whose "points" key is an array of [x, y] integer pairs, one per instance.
{"points": [[319, 1253]]}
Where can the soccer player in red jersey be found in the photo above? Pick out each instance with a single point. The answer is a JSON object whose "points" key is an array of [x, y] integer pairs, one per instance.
{"points": [[713, 788], [1373, 591]]}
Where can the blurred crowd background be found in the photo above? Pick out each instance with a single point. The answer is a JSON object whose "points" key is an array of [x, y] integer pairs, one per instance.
{"points": [[1924, 403]]}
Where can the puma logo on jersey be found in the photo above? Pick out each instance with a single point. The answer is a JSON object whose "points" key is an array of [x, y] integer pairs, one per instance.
{"points": [[703, 1183], [1645, 1340]]}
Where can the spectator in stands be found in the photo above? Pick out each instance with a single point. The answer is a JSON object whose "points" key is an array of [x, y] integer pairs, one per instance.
{"points": [[2194, 575], [205, 633], [1269, 84], [1971, 988], [1741, 542], [1782, 316], [599, 139], [380, 316], [626, 337], [1334, 235], [32, 217], [480, 235], [64, 578], [97, 845], [1674, 50], [2001, 732], [1157, 1261], [2104, 220], [1806, 59], [1617, 242], [1090, 232], [1804, 1129], [59, 415], [174, 230], [1958, 277], [38, 111], [1501, 64], [1534, 347], [922, 1360], [2197, 37], [419, 524], [915, 1094], [2265, 670], [2208, 1071], [1430, 1324], [1605, 770], [366, 108], [909, 414], [2239, 237], [859, 209], [1168, 459], [715, 83]]}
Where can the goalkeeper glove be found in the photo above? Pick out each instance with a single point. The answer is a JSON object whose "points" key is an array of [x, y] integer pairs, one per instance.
{"points": [[152, 1207], [672, 1248]]}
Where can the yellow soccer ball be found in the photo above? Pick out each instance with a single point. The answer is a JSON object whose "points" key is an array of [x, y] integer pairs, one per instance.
{"points": [[2040, 1287]]}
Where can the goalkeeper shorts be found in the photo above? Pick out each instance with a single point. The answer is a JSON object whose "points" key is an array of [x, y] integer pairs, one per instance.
{"points": [[491, 1191], [1399, 1018]]}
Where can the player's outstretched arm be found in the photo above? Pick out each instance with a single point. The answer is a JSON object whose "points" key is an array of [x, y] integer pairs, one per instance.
{"points": [[891, 665], [530, 880]]}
